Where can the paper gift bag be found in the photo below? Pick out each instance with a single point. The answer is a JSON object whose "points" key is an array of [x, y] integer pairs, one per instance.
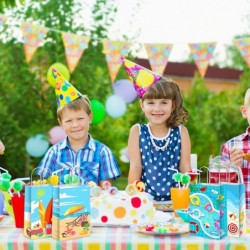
{"points": [[38, 211], [207, 216], [236, 206], [71, 211]]}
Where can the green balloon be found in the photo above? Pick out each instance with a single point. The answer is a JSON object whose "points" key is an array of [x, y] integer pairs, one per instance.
{"points": [[98, 111], [61, 68]]}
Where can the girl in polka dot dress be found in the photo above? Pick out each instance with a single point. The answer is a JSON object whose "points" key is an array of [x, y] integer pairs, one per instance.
{"points": [[162, 143]]}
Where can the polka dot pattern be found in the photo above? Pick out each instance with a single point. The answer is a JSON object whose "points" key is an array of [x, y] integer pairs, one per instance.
{"points": [[155, 173]]}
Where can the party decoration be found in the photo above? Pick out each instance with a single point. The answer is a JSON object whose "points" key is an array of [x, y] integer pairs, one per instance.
{"points": [[98, 111], [183, 179], [60, 68], [125, 89], [114, 50], [202, 53], [158, 55], [243, 45], [65, 92], [37, 146], [115, 106], [141, 77], [33, 36], [3, 20], [74, 47], [56, 134]]}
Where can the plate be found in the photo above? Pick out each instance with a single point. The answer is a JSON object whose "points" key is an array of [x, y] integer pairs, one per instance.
{"points": [[159, 233], [166, 228]]}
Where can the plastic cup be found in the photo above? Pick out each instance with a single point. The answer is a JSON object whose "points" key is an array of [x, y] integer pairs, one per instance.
{"points": [[180, 198], [18, 209]]}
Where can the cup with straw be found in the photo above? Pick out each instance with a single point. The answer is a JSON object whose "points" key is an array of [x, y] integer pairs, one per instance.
{"points": [[180, 194]]}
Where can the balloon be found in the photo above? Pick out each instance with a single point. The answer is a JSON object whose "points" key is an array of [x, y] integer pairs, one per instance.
{"points": [[115, 106], [61, 68], [125, 89], [56, 134], [98, 111], [37, 146]]}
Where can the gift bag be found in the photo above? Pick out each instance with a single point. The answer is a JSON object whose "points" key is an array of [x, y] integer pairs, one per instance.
{"points": [[38, 210], [236, 206], [207, 216], [71, 211]]}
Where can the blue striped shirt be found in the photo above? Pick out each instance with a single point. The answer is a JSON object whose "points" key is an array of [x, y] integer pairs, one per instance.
{"points": [[96, 161]]}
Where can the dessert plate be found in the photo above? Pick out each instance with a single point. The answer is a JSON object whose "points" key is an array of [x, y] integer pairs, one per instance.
{"points": [[165, 206]]}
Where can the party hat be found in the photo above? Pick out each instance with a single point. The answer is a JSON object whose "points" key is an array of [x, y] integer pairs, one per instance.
{"points": [[65, 92], [141, 77]]}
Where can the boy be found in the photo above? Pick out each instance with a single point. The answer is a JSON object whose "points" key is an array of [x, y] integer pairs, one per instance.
{"points": [[237, 149], [79, 149]]}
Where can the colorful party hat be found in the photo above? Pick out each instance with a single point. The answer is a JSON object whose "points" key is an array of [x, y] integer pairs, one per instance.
{"points": [[141, 77], [65, 92]]}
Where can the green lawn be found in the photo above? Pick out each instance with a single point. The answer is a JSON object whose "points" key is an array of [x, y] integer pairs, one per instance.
{"points": [[120, 183]]}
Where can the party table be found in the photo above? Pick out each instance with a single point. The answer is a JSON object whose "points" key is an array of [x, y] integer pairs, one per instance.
{"points": [[115, 238]]}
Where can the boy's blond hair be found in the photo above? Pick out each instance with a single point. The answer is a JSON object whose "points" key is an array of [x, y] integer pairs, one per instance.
{"points": [[247, 98], [81, 102]]}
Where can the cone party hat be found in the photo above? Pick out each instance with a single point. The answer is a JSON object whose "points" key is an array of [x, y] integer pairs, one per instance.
{"points": [[141, 77], [65, 92]]}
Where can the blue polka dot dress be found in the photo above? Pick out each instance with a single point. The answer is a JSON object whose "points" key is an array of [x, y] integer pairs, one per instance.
{"points": [[159, 154]]}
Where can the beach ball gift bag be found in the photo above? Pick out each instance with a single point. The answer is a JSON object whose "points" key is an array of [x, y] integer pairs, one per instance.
{"points": [[71, 209]]}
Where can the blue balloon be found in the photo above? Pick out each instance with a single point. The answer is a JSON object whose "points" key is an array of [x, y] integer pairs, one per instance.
{"points": [[125, 89], [37, 146], [115, 106]]}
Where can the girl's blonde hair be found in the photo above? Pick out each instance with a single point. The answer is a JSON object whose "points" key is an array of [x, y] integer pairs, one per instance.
{"points": [[168, 89], [81, 102], [247, 98]]}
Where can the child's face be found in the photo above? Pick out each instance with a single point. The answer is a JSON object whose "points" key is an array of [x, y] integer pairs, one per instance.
{"points": [[76, 124], [245, 111], [157, 110]]}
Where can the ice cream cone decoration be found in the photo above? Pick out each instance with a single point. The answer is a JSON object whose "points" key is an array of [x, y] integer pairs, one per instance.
{"points": [[42, 213]]}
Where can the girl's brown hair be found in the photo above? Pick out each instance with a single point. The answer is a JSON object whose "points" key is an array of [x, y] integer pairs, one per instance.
{"points": [[168, 89]]}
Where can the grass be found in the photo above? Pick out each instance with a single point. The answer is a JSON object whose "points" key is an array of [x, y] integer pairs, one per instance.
{"points": [[120, 183]]}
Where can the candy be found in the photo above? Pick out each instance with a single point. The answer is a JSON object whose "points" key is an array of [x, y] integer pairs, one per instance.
{"points": [[131, 189], [140, 186], [113, 190], [95, 191], [91, 184], [106, 185]]}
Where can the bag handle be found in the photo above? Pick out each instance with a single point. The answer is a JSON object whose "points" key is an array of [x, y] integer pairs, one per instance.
{"points": [[41, 175]]}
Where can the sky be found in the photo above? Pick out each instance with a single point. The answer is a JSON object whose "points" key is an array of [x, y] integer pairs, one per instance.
{"points": [[180, 22]]}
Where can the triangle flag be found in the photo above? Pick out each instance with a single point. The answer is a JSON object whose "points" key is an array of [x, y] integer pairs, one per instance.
{"points": [[33, 36], [3, 20], [114, 50], [202, 53], [243, 45], [158, 55], [74, 48]]}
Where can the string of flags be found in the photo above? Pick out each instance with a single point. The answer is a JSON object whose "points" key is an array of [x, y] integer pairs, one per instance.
{"points": [[158, 54]]}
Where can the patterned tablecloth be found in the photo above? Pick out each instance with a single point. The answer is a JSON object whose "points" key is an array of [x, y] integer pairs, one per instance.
{"points": [[115, 238]]}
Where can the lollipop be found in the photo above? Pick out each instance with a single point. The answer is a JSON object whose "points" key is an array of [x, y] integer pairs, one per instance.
{"points": [[95, 191], [106, 185], [140, 186], [131, 190], [113, 190]]}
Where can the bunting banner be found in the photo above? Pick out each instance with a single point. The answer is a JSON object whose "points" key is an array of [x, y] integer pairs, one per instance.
{"points": [[2, 20], [114, 50], [243, 45], [202, 54], [158, 55], [74, 48], [33, 37]]}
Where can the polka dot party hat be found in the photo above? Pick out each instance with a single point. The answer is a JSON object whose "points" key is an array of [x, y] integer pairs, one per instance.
{"points": [[65, 92], [141, 77]]}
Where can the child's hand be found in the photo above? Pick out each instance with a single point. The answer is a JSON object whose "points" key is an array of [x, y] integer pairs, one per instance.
{"points": [[2, 148], [236, 156]]}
